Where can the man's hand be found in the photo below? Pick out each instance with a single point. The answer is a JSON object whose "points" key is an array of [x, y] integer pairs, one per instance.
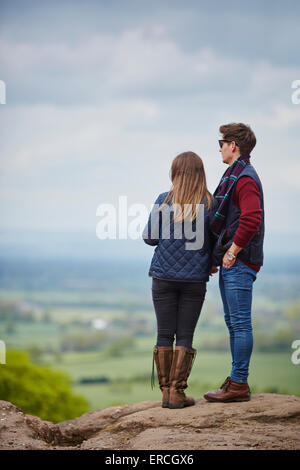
{"points": [[213, 270], [235, 249], [226, 262]]}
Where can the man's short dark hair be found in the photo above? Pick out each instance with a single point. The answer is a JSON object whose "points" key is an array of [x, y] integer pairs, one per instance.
{"points": [[243, 136]]}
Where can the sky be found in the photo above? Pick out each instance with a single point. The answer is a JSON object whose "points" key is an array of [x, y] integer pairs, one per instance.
{"points": [[102, 95]]}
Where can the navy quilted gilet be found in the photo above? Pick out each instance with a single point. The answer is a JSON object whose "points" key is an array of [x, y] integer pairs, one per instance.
{"points": [[171, 260]]}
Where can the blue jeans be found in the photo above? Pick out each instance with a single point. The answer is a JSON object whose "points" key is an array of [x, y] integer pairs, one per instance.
{"points": [[236, 291]]}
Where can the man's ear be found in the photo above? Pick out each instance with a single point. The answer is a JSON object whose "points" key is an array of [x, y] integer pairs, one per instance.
{"points": [[233, 145]]}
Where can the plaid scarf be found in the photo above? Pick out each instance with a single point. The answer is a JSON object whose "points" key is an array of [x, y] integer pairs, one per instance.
{"points": [[222, 192]]}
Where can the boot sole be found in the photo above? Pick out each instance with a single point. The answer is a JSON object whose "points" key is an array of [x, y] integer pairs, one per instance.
{"points": [[165, 404], [179, 405], [212, 400]]}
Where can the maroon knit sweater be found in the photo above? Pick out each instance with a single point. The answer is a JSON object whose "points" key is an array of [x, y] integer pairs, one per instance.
{"points": [[247, 199]]}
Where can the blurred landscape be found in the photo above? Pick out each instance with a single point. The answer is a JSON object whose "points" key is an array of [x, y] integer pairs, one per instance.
{"points": [[94, 320], [99, 99]]}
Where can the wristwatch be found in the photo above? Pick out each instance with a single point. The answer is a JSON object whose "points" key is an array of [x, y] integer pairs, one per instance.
{"points": [[230, 256]]}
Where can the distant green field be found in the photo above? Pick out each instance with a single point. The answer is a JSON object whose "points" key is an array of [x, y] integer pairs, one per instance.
{"points": [[129, 374], [26, 334], [269, 372], [75, 299]]}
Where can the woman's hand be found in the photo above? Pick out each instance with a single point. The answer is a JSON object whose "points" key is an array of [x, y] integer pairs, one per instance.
{"points": [[213, 270]]}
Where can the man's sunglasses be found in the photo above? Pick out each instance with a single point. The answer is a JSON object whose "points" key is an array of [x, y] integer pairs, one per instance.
{"points": [[221, 142]]}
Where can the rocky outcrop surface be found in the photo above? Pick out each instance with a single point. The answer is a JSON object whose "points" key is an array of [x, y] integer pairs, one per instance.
{"points": [[268, 421]]}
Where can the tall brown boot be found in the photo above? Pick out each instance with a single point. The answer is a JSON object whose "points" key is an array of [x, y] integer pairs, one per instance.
{"points": [[180, 370], [162, 355]]}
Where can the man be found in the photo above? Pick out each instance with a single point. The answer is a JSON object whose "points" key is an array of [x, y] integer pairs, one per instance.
{"points": [[238, 224]]}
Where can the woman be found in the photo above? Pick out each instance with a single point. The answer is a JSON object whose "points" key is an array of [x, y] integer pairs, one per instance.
{"points": [[179, 273]]}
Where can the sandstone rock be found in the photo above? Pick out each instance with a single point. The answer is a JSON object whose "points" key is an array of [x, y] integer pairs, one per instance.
{"points": [[268, 421]]}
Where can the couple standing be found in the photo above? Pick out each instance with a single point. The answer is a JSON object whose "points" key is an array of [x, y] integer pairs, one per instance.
{"points": [[233, 240]]}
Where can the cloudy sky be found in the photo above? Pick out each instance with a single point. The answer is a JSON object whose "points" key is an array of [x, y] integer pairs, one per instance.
{"points": [[102, 95]]}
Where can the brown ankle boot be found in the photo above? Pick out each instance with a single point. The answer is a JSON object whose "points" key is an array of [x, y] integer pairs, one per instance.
{"points": [[162, 355], [229, 391], [180, 370]]}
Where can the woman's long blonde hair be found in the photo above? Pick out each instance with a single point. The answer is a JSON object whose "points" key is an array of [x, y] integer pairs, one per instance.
{"points": [[188, 186]]}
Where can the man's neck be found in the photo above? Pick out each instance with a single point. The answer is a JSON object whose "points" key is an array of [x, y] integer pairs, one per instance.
{"points": [[233, 159]]}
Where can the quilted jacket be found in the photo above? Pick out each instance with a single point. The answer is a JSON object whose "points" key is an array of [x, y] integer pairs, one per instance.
{"points": [[171, 259]]}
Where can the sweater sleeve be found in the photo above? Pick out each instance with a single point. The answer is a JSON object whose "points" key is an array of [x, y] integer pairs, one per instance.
{"points": [[247, 199]]}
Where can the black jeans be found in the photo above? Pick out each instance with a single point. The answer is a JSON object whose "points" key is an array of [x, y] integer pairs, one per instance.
{"points": [[177, 306]]}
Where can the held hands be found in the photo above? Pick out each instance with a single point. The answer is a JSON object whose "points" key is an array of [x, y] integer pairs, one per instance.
{"points": [[227, 263]]}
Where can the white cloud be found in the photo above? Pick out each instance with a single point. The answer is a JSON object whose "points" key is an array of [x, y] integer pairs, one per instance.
{"points": [[282, 117], [137, 60], [157, 100], [44, 135]]}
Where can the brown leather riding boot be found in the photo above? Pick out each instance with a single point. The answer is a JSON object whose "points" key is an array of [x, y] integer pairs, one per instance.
{"points": [[180, 370], [229, 391], [163, 359]]}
